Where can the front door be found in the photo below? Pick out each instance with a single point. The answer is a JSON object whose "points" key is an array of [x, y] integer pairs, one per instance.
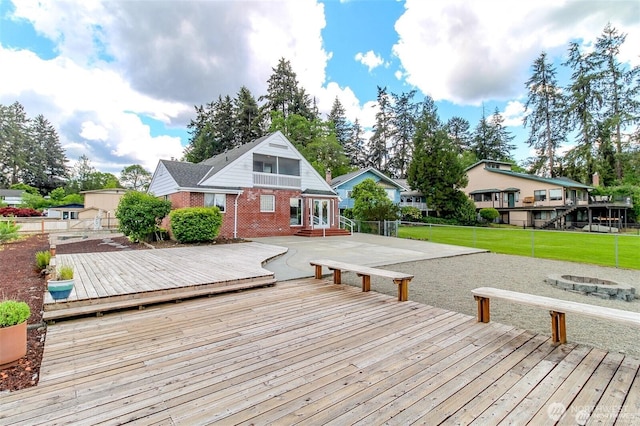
{"points": [[511, 199], [321, 213]]}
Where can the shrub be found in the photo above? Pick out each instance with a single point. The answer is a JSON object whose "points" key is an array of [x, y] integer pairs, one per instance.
{"points": [[489, 214], [195, 224], [42, 259], [19, 212], [411, 213], [140, 214], [12, 313], [8, 231]]}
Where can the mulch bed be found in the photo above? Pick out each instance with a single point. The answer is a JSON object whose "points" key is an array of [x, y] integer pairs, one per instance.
{"points": [[20, 280]]}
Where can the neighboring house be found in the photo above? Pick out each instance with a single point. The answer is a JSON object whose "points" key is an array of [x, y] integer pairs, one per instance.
{"points": [[66, 211], [529, 200], [344, 184], [413, 198], [100, 205], [11, 197], [263, 188]]}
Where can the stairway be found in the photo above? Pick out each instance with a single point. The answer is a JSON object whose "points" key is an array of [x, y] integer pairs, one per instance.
{"points": [[328, 232], [558, 217]]}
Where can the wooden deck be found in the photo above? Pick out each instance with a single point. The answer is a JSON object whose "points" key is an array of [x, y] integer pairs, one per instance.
{"points": [[312, 352], [116, 280]]}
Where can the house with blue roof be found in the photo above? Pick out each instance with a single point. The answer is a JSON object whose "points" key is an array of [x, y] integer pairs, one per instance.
{"points": [[343, 185], [533, 201]]}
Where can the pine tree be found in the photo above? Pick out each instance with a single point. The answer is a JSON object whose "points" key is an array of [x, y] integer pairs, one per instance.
{"points": [[338, 120], [284, 94], [582, 108], [382, 131], [249, 120], [47, 165], [491, 140], [458, 130], [544, 111], [618, 88], [404, 116], [14, 140], [355, 147]]}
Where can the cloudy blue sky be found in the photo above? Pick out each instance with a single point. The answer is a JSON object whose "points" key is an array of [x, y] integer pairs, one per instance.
{"points": [[119, 79]]}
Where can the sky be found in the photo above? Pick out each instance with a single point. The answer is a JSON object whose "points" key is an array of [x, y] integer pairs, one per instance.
{"points": [[119, 80]]}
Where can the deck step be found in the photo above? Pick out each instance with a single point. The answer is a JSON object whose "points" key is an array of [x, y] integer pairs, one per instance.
{"points": [[109, 304]]}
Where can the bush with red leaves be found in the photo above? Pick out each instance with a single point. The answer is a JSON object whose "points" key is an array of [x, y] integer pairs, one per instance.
{"points": [[18, 212]]}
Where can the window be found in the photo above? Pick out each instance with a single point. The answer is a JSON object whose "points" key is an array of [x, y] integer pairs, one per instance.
{"points": [[218, 200], [348, 193], [540, 195], [276, 165], [555, 194], [267, 203], [391, 193], [295, 211]]}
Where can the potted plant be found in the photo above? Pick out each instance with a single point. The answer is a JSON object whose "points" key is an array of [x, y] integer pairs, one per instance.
{"points": [[13, 330], [61, 284]]}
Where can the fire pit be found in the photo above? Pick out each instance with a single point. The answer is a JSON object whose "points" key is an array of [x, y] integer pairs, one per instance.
{"points": [[605, 289]]}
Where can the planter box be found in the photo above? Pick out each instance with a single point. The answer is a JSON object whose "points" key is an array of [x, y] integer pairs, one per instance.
{"points": [[60, 289]]}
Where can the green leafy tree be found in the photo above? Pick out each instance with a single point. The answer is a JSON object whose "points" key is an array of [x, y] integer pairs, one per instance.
{"points": [[26, 188], [140, 214], [370, 202], [57, 195], [135, 177], [544, 113]]}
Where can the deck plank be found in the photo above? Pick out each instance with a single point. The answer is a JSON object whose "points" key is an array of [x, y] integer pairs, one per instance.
{"points": [[311, 352]]}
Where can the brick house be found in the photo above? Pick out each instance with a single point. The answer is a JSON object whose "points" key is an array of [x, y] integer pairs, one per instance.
{"points": [[263, 188]]}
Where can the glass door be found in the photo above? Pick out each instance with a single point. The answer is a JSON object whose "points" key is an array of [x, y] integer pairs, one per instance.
{"points": [[321, 213]]}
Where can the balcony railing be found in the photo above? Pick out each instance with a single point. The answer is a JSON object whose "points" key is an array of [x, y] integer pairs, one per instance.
{"points": [[276, 181]]}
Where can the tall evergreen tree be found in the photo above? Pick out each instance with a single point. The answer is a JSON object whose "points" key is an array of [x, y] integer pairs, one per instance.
{"points": [[618, 88], [249, 120], [491, 140], [338, 120], [14, 140], [202, 142], [355, 147], [582, 107], [284, 94], [404, 116], [459, 131], [382, 131], [47, 165], [436, 170], [544, 113]]}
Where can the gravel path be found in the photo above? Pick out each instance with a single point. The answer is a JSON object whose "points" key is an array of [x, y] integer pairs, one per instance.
{"points": [[447, 283]]}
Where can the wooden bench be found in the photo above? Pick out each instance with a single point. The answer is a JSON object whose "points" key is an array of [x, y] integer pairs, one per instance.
{"points": [[399, 278], [557, 309]]}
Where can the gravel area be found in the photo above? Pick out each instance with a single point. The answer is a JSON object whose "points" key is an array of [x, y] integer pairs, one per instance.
{"points": [[447, 283]]}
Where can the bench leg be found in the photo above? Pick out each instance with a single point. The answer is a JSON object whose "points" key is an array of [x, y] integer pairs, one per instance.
{"points": [[484, 314], [558, 327], [337, 276], [366, 282], [318, 272], [403, 290]]}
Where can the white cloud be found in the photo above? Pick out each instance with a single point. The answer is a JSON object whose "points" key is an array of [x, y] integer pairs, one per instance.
{"points": [[370, 59], [513, 113], [483, 50], [121, 61]]}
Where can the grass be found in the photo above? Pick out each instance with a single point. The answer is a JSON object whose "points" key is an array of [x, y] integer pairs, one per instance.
{"points": [[600, 249]]}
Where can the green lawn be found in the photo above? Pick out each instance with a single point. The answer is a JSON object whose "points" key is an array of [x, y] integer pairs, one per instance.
{"points": [[599, 249]]}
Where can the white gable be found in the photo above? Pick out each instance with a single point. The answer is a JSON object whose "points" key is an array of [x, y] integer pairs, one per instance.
{"points": [[162, 183], [240, 172]]}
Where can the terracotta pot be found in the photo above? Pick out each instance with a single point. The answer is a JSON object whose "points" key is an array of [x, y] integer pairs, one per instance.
{"points": [[13, 343]]}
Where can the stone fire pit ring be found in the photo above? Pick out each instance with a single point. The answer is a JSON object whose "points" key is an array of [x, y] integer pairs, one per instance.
{"points": [[605, 289]]}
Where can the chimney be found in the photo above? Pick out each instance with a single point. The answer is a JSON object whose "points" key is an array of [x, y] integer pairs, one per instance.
{"points": [[328, 176], [596, 179]]}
